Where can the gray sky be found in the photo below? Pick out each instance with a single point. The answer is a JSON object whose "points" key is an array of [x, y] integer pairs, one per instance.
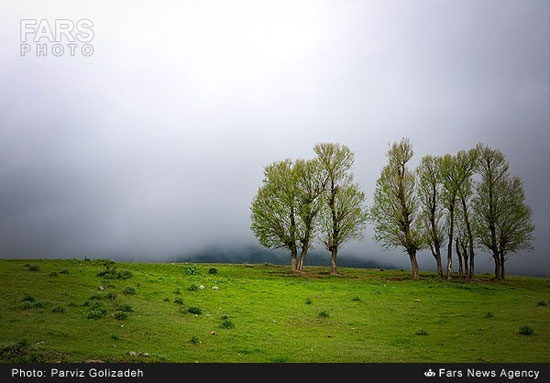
{"points": [[154, 146]]}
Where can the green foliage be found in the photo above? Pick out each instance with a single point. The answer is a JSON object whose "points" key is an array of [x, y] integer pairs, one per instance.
{"points": [[124, 308], [53, 274], [356, 299], [34, 268], [526, 330], [212, 270], [129, 290], [323, 314], [191, 270], [28, 298], [194, 310], [227, 323], [421, 332], [59, 309], [489, 314], [308, 301], [194, 340], [541, 303], [192, 288], [120, 315]]}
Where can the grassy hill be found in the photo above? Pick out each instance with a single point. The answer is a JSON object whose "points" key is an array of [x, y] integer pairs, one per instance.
{"points": [[62, 310]]}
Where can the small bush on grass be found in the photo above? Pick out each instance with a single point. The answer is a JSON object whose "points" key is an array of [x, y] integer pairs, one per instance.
{"points": [[195, 339], [323, 314], [64, 272], [526, 330], [111, 296], [114, 337], [191, 270], [129, 290], [541, 303], [96, 297], [213, 270], [421, 332], [308, 301], [53, 274], [58, 309], [32, 305], [489, 314], [179, 301], [192, 288], [227, 323], [177, 291], [27, 298], [15, 352], [356, 299], [34, 268], [194, 310], [97, 314], [120, 315], [125, 274], [124, 308], [166, 299]]}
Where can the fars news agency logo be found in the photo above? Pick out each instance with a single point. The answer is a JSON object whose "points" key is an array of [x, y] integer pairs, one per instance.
{"points": [[59, 37]]}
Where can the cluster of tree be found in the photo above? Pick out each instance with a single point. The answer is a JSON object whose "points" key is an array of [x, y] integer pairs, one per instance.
{"points": [[303, 201], [465, 201]]}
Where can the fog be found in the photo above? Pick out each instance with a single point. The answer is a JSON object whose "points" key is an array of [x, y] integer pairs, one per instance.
{"points": [[153, 147]]}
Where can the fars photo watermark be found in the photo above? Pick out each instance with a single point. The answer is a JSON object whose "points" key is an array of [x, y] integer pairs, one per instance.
{"points": [[59, 37]]}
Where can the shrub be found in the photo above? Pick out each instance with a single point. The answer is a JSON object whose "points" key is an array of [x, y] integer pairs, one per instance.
{"points": [[194, 310], [32, 305], [192, 288], [87, 303], [53, 274], [120, 315], [421, 332], [191, 270], [15, 352], [64, 272], [166, 299], [96, 297], [177, 291], [111, 296], [213, 270], [114, 337], [356, 299], [526, 330], [125, 275], [34, 268], [96, 314], [489, 314], [58, 309], [227, 323], [129, 290], [195, 339], [124, 308], [28, 298], [179, 301], [308, 301], [323, 314], [541, 303]]}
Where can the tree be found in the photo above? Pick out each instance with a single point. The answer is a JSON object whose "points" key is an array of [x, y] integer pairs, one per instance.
{"points": [[502, 221], [455, 172], [311, 184], [274, 210], [343, 215], [395, 208], [343, 218], [431, 214], [515, 222]]}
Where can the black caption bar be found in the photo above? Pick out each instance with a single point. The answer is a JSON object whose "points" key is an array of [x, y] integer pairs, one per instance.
{"points": [[164, 372]]}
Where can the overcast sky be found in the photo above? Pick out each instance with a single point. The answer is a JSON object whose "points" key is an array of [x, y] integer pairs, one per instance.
{"points": [[154, 146]]}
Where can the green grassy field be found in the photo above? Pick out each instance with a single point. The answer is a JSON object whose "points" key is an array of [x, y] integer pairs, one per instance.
{"points": [[263, 313]]}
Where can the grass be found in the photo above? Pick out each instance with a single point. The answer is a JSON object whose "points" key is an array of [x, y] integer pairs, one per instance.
{"points": [[258, 315]]}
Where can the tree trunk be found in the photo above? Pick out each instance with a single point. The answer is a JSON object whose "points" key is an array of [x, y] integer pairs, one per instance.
{"points": [[466, 264], [450, 244], [459, 255], [498, 271], [293, 256], [438, 261], [414, 265], [472, 269], [334, 255], [502, 260], [303, 254]]}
